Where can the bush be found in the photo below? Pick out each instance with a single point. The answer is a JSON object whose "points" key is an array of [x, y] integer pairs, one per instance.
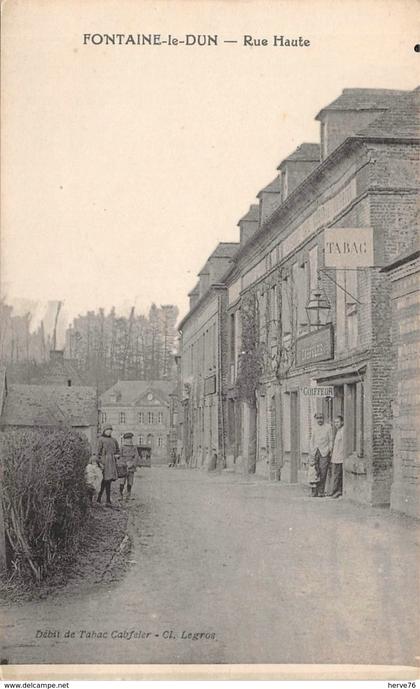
{"points": [[44, 497]]}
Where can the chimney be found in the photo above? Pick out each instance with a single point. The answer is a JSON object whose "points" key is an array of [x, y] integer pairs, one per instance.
{"points": [[297, 166]]}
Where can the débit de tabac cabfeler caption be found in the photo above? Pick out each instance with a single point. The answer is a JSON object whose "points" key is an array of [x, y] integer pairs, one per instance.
{"points": [[123, 634]]}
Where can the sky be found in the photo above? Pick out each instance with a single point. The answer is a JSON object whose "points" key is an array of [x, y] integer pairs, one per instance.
{"points": [[124, 166]]}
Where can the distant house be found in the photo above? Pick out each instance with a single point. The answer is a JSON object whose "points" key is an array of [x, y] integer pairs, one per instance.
{"points": [[143, 408], [49, 406]]}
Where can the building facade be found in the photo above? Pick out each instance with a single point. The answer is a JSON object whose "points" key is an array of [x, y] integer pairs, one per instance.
{"points": [[404, 276], [308, 267], [203, 367], [143, 408]]}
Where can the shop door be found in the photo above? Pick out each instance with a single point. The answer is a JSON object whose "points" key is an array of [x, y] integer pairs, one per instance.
{"points": [[338, 404], [294, 437]]}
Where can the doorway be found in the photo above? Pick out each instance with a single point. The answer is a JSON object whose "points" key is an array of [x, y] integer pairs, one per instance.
{"points": [[334, 406], [294, 437]]}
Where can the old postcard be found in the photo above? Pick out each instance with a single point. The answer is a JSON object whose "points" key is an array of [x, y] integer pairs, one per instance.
{"points": [[209, 347]]}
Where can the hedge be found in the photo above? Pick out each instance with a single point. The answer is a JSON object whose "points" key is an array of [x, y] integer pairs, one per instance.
{"points": [[44, 498]]}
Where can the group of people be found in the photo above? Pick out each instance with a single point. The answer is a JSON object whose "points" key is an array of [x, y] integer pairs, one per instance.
{"points": [[326, 451], [111, 464]]}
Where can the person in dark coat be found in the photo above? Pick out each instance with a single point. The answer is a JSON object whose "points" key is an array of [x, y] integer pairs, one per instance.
{"points": [[127, 464], [108, 452]]}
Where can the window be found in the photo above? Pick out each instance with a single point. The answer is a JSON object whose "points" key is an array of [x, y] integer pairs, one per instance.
{"points": [[141, 439], [160, 417], [351, 308], [354, 419], [232, 338], [140, 417], [274, 315], [286, 306], [214, 346], [351, 419], [103, 417], [151, 417], [346, 309], [295, 298], [150, 440], [313, 267], [159, 441], [261, 319], [122, 417], [340, 311], [302, 297], [238, 337]]}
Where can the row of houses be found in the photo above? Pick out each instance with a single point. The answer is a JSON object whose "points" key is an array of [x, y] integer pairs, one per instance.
{"points": [[308, 311], [61, 399]]}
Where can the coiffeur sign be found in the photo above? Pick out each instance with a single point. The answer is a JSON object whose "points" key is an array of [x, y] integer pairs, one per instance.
{"points": [[318, 391], [316, 346], [348, 247]]}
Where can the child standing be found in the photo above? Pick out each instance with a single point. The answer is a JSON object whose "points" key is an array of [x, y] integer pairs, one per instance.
{"points": [[93, 475], [313, 478]]}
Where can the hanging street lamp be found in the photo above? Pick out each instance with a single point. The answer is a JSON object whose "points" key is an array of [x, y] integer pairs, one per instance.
{"points": [[318, 308]]}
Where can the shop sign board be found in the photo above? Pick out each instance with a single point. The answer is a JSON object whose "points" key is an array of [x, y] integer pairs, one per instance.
{"points": [[318, 390], [348, 247], [316, 346]]}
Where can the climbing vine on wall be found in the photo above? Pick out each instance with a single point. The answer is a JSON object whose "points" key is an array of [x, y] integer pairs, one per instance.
{"points": [[251, 360]]}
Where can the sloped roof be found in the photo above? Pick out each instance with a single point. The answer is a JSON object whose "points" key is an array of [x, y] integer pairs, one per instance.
{"points": [[253, 215], [130, 390], [49, 405], [273, 188], [222, 250], [363, 99], [306, 152], [225, 250], [60, 370], [401, 121]]}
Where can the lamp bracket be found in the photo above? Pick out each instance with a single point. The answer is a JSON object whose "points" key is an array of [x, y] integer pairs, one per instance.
{"points": [[323, 270]]}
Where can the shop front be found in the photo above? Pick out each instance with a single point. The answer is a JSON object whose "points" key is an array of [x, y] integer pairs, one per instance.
{"points": [[348, 400]]}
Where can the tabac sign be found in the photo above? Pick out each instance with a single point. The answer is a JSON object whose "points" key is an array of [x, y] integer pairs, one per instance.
{"points": [[348, 247], [316, 346]]}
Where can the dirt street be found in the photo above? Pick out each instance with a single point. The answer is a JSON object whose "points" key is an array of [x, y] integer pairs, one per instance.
{"points": [[229, 570]]}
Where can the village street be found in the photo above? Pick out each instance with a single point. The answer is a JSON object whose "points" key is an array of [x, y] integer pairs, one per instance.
{"points": [[267, 573]]}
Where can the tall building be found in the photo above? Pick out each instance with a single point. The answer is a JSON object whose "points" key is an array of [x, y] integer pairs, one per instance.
{"points": [[306, 304], [202, 346]]}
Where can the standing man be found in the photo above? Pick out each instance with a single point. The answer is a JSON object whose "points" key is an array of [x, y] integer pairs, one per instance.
{"points": [[321, 447], [127, 464], [337, 458], [108, 451]]}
